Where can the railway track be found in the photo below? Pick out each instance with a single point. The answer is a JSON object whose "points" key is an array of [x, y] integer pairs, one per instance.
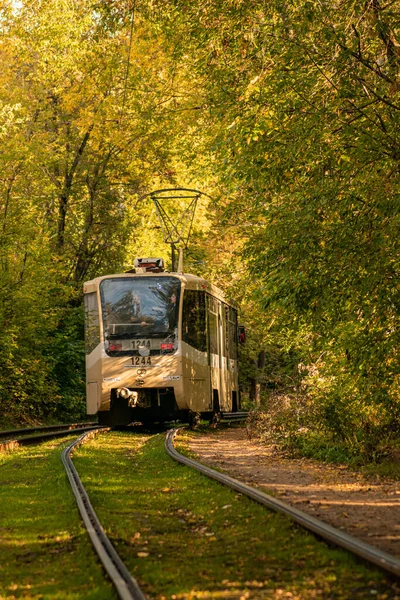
{"points": [[126, 586], [387, 562], [13, 438]]}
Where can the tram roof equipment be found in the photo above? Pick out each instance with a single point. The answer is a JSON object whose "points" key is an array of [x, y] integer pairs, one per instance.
{"points": [[176, 230]]}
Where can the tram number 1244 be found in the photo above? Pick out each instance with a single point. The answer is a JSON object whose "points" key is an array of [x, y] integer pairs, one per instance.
{"points": [[141, 361], [141, 343]]}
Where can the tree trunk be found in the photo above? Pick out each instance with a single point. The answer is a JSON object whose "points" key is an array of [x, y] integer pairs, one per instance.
{"points": [[255, 383], [66, 188]]}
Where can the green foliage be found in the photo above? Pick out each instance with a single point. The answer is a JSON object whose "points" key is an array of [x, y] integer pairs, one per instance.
{"points": [[67, 354], [86, 127], [303, 106], [287, 115]]}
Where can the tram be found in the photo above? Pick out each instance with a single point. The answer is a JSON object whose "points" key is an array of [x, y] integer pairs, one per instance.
{"points": [[160, 346]]}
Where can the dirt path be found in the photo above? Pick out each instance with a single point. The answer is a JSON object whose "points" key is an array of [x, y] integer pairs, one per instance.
{"points": [[366, 508]]}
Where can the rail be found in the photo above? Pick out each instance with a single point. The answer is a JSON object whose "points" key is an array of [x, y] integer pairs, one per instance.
{"points": [[125, 585], [5, 433], [385, 561], [13, 444]]}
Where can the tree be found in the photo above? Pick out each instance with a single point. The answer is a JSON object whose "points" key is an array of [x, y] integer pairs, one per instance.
{"points": [[303, 106], [83, 98]]}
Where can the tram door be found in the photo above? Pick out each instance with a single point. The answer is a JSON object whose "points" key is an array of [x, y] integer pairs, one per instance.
{"points": [[217, 351], [196, 371], [223, 358]]}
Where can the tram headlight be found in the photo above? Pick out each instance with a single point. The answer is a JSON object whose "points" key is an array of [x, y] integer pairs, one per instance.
{"points": [[124, 393]]}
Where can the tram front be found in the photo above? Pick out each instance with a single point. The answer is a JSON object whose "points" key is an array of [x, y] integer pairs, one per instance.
{"points": [[140, 368]]}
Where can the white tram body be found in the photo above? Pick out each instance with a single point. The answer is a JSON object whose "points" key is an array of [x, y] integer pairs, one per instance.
{"points": [[159, 346]]}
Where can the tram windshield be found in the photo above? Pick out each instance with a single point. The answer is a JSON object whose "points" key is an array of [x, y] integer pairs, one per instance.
{"points": [[139, 308]]}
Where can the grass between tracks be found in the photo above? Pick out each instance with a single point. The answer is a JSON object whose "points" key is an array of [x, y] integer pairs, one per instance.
{"points": [[184, 536], [45, 552]]}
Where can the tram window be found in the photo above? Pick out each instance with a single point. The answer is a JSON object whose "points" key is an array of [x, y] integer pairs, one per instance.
{"points": [[232, 333], [140, 307], [212, 309], [223, 323], [194, 320], [212, 304], [92, 323], [213, 332], [227, 331]]}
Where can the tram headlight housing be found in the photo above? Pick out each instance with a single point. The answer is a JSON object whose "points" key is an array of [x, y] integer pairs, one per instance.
{"points": [[124, 393]]}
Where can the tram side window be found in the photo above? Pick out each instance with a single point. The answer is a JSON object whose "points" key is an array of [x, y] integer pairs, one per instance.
{"points": [[194, 320], [232, 333], [225, 326], [92, 323], [212, 309]]}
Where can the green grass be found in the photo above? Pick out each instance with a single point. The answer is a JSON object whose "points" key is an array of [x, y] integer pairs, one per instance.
{"points": [[387, 468], [44, 550], [184, 536], [317, 447]]}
